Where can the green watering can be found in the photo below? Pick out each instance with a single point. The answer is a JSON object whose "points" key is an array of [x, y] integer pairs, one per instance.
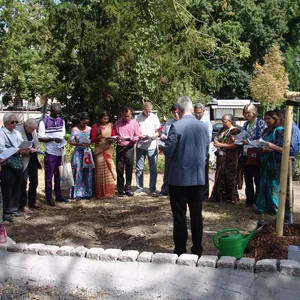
{"points": [[230, 242]]}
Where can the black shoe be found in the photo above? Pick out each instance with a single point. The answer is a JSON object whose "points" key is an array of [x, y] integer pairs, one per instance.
{"points": [[129, 193], [77, 198], [17, 214], [154, 194], [161, 194], [120, 194], [8, 218], [62, 200], [34, 206], [51, 203]]}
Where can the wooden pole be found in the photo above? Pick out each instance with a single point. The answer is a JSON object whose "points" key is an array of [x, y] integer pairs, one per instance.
{"points": [[284, 168]]}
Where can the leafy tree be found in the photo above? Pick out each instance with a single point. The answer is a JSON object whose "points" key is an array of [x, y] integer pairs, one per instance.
{"points": [[25, 69], [270, 81]]}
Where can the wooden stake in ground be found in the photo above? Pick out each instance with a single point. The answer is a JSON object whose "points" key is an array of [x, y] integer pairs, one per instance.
{"points": [[285, 161], [284, 168]]}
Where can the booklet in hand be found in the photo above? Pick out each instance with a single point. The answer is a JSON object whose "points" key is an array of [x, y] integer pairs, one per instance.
{"points": [[6, 154], [84, 140], [25, 145]]}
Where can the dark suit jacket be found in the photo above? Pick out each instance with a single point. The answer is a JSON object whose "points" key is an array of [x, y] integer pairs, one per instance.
{"points": [[187, 147]]}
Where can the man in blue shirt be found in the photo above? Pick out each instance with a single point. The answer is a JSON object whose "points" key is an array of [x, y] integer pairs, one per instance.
{"points": [[294, 151]]}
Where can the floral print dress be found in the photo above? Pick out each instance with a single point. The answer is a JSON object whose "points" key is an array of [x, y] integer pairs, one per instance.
{"points": [[83, 177]]}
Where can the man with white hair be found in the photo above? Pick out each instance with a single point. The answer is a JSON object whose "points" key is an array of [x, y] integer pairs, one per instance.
{"points": [[187, 148], [31, 165], [11, 174]]}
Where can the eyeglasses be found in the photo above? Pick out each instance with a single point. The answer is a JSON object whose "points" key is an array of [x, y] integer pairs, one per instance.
{"points": [[13, 122]]}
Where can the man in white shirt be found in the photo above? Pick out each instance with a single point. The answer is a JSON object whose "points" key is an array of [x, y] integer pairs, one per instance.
{"points": [[51, 132], [147, 146], [199, 113]]}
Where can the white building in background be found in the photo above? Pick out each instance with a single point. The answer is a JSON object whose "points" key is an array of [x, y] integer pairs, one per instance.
{"points": [[219, 107]]}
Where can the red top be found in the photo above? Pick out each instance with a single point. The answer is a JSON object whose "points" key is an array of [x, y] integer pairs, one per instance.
{"points": [[94, 131]]}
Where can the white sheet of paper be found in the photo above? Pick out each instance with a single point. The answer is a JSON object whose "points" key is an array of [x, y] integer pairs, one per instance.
{"points": [[257, 143], [212, 149], [242, 136], [84, 140], [8, 153], [62, 144], [162, 143], [25, 145], [125, 138]]}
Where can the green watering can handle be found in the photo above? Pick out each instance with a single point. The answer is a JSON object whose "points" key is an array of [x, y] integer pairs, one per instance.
{"points": [[220, 232]]}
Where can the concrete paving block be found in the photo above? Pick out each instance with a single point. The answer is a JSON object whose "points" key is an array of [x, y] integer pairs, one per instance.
{"points": [[187, 260], [17, 247], [94, 253], [266, 265], [9, 241], [3, 247], [289, 267], [79, 251], [64, 251], [110, 255], [227, 262], [48, 250], [164, 258], [246, 264], [129, 255], [294, 253], [208, 261], [33, 248], [145, 257]]}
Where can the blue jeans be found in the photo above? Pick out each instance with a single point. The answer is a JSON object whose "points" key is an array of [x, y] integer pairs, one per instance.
{"points": [[140, 162]]}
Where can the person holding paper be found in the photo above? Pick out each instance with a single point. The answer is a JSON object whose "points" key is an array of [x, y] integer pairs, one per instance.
{"points": [[267, 198], [199, 113], [83, 177], [102, 134], [225, 186], [128, 133], [163, 137], [254, 126], [147, 146], [51, 132], [31, 164], [277, 154], [12, 171]]}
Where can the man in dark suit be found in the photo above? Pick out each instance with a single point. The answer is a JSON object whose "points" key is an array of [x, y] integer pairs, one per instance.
{"points": [[187, 148]]}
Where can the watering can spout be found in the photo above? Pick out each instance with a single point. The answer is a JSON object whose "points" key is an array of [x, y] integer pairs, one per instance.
{"points": [[247, 239]]}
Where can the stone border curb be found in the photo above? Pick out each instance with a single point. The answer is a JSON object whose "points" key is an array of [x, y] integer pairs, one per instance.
{"points": [[285, 266]]}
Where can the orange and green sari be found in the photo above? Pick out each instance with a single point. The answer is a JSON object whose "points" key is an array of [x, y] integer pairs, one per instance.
{"points": [[105, 174]]}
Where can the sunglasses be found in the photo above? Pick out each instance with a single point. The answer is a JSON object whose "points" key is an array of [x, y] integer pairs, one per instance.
{"points": [[13, 122]]}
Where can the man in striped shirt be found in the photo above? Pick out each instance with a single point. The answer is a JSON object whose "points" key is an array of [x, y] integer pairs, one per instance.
{"points": [[51, 132]]}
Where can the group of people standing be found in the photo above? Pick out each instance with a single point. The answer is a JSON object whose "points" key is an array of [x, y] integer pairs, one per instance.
{"points": [[185, 139], [260, 166]]}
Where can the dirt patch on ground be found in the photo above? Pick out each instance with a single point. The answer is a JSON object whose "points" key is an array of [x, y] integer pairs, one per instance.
{"points": [[266, 244], [132, 223]]}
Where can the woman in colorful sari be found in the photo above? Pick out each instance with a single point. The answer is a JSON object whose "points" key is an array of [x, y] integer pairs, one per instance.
{"points": [[105, 174], [225, 186], [83, 177], [267, 199]]}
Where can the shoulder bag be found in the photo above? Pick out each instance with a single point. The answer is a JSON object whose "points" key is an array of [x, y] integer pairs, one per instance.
{"points": [[15, 162]]}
